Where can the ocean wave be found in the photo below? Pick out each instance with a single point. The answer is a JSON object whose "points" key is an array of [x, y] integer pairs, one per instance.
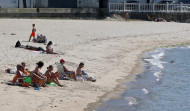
{"points": [[155, 58], [131, 101], [146, 91], [158, 75], [158, 56], [156, 62]]}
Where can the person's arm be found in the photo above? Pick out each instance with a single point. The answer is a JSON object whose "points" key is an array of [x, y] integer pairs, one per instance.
{"points": [[20, 74], [65, 69]]}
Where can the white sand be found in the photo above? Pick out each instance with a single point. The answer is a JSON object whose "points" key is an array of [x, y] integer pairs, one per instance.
{"points": [[109, 49]]}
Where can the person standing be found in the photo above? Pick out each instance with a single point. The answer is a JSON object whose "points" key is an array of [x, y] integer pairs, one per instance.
{"points": [[33, 32]]}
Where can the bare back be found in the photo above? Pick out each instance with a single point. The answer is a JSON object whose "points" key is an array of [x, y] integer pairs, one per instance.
{"points": [[37, 71], [33, 29], [78, 72]]}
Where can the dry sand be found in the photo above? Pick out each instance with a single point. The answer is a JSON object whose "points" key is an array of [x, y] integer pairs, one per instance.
{"points": [[109, 49]]}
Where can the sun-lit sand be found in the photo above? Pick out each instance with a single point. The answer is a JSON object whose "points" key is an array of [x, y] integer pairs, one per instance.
{"points": [[109, 49]]}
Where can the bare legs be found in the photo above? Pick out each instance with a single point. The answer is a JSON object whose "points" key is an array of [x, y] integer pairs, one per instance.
{"points": [[36, 78], [74, 76], [29, 38], [54, 79]]}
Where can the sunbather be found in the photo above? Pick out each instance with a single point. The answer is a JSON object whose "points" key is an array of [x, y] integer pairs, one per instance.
{"points": [[34, 48], [81, 75], [49, 49], [51, 76], [19, 74], [25, 71], [64, 72], [37, 74]]}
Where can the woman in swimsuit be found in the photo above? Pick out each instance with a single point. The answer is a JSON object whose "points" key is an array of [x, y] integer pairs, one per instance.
{"points": [[51, 76], [19, 74], [37, 74], [81, 75], [49, 49]]}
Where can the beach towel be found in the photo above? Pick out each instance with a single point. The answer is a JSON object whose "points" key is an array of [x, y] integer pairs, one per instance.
{"points": [[51, 84]]}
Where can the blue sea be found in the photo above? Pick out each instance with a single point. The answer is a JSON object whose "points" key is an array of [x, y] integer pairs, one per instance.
{"points": [[163, 86]]}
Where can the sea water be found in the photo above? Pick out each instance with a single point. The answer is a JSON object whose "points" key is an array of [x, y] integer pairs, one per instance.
{"points": [[163, 86]]}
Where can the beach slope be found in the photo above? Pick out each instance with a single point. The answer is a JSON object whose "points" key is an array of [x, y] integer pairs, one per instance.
{"points": [[109, 49]]}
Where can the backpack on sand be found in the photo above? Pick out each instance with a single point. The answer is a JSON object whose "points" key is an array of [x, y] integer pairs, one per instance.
{"points": [[18, 44]]}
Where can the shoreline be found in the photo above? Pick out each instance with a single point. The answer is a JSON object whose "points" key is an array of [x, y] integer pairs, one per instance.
{"points": [[137, 70], [111, 51]]}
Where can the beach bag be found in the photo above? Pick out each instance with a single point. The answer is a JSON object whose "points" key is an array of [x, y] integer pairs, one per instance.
{"points": [[41, 38], [18, 44]]}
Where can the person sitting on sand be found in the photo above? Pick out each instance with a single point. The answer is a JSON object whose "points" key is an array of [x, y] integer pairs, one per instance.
{"points": [[51, 76], [25, 71], [49, 49], [64, 72], [37, 74], [19, 75], [81, 75]]}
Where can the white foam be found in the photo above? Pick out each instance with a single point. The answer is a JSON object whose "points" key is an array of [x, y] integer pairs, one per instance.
{"points": [[155, 58], [156, 62], [158, 75], [188, 46], [158, 56], [131, 101], [145, 91]]}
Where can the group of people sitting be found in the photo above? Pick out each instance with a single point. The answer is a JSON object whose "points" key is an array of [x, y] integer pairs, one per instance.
{"points": [[37, 77], [158, 19], [41, 79], [49, 49]]}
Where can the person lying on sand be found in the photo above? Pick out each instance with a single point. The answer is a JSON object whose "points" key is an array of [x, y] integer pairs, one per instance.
{"points": [[81, 75], [49, 49], [64, 72], [37, 74], [34, 48], [51, 76], [14, 71]]}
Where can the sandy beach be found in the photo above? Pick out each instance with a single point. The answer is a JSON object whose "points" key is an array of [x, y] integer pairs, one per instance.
{"points": [[111, 51]]}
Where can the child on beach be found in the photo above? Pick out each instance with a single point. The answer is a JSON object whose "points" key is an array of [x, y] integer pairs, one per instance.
{"points": [[51, 76], [37, 74], [81, 75], [33, 32]]}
